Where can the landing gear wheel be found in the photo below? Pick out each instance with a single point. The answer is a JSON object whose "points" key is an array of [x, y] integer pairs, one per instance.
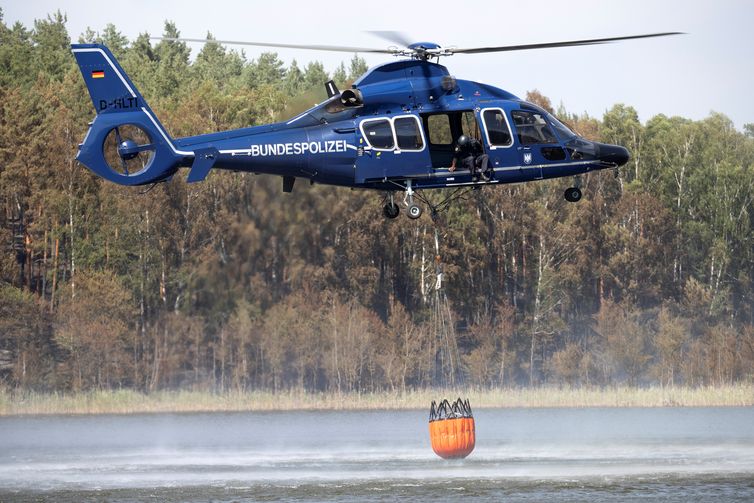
{"points": [[390, 210], [414, 211], [572, 194]]}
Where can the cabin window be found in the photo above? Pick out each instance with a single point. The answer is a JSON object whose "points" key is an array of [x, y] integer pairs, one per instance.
{"points": [[496, 124], [553, 153], [438, 127], [378, 133], [532, 128], [408, 133]]}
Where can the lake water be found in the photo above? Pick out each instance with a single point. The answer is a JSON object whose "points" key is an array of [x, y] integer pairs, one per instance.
{"points": [[673, 454]]}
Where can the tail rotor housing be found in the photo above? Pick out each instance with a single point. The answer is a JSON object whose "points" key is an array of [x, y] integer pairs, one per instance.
{"points": [[126, 144]]}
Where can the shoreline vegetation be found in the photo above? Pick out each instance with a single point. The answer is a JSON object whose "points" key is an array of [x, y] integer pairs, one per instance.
{"points": [[133, 402]]}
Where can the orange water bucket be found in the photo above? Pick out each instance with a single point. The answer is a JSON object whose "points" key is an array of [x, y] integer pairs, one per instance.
{"points": [[451, 429]]}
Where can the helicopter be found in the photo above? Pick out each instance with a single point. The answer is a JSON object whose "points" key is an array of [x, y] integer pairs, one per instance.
{"points": [[395, 130]]}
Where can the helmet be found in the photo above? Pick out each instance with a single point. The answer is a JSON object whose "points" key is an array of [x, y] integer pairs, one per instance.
{"points": [[462, 141]]}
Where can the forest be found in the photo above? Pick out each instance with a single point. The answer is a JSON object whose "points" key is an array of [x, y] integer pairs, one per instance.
{"points": [[232, 285]]}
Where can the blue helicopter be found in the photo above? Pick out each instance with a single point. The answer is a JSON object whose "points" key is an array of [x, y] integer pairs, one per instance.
{"points": [[399, 128]]}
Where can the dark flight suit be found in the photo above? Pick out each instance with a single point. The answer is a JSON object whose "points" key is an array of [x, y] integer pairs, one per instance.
{"points": [[471, 156], [464, 156]]}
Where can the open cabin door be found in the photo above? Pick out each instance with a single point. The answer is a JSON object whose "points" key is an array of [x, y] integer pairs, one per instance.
{"points": [[443, 130]]}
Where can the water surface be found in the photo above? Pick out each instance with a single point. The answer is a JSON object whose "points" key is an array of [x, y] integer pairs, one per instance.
{"points": [[672, 454]]}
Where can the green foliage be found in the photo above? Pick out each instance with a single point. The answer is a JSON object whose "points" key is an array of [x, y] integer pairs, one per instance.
{"points": [[357, 67], [111, 37], [267, 70], [216, 65], [340, 76], [229, 285], [172, 63], [52, 46], [315, 75], [294, 80], [16, 49]]}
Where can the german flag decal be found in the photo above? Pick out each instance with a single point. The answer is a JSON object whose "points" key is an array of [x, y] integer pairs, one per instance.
{"points": [[98, 74]]}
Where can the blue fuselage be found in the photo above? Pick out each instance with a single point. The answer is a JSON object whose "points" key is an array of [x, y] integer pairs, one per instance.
{"points": [[412, 112], [398, 127]]}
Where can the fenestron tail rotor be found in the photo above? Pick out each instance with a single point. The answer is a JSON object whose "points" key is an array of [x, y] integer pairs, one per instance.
{"points": [[128, 150]]}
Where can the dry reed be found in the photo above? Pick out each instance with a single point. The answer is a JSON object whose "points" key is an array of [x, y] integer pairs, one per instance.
{"points": [[133, 402]]}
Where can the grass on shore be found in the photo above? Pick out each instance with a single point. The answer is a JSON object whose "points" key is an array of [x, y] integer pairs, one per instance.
{"points": [[133, 402]]}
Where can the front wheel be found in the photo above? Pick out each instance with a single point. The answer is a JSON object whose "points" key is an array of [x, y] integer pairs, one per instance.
{"points": [[414, 211], [572, 194]]}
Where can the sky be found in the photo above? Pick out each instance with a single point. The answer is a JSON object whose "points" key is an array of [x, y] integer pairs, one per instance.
{"points": [[711, 68]]}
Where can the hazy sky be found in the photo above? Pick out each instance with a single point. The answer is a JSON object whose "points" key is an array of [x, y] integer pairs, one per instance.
{"points": [[710, 68]]}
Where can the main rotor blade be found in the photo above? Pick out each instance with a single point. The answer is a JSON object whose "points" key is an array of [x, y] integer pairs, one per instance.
{"points": [[282, 46], [549, 45], [395, 37]]}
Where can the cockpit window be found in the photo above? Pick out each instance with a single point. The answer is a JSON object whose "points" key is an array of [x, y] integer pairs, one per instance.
{"points": [[378, 133], [532, 128], [561, 129]]}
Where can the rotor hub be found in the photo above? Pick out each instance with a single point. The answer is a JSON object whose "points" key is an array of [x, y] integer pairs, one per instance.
{"points": [[128, 149]]}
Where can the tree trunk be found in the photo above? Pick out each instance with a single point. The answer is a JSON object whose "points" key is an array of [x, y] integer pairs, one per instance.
{"points": [[71, 239], [537, 306], [54, 273]]}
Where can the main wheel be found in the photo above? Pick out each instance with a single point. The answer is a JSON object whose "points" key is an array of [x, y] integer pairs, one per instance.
{"points": [[572, 194], [390, 210], [414, 211]]}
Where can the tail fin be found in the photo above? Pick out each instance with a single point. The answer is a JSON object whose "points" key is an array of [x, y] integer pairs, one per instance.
{"points": [[126, 144]]}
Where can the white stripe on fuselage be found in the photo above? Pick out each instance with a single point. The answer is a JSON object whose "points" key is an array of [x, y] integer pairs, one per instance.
{"points": [[514, 168], [452, 174], [295, 148], [164, 135]]}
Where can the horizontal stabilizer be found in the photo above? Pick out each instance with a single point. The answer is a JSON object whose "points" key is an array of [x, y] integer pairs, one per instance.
{"points": [[204, 159]]}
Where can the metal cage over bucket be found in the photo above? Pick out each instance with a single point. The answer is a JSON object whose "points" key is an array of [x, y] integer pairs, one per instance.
{"points": [[451, 429]]}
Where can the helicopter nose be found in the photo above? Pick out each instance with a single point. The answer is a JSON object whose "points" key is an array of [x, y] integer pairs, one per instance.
{"points": [[613, 154]]}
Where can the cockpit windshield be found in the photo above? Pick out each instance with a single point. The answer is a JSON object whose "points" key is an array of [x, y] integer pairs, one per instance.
{"points": [[561, 129]]}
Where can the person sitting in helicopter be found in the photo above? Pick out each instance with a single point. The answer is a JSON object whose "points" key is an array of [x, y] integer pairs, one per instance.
{"points": [[469, 153]]}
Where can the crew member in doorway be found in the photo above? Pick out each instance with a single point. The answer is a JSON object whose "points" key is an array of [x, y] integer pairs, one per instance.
{"points": [[469, 155]]}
